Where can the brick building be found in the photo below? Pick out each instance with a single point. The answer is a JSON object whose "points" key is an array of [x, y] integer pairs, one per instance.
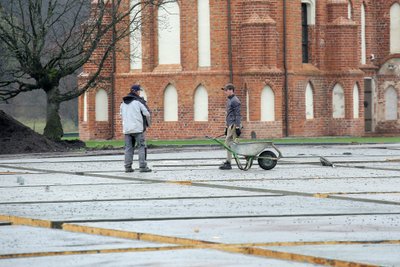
{"points": [[301, 68]]}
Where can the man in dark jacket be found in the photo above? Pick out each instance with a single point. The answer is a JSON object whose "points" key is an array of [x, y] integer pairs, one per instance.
{"points": [[233, 121]]}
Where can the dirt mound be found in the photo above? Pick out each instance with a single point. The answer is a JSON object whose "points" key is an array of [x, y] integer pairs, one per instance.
{"points": [[16, 138]]}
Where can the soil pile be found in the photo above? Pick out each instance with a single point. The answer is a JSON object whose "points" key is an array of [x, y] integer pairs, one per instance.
{"points": [[16, 138]]}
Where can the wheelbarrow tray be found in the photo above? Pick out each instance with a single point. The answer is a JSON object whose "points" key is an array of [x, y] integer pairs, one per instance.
{"points": [[249, 149]]}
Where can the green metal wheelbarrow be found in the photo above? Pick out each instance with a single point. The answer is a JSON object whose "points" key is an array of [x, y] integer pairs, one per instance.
{"points": [[251, 151]]}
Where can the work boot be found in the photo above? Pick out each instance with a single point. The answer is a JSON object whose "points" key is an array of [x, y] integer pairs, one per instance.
{"points": [[225, 166], [128, 169], [144, 169]]}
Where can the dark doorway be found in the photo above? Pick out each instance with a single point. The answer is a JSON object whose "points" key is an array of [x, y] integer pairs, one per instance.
{"points": [[368, 104]]}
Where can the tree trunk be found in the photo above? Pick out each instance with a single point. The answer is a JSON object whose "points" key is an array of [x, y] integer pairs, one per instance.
{"points": [[53, 129]]}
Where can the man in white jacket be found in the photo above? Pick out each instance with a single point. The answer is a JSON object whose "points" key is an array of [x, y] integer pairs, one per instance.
{"points": [[135, 116]]}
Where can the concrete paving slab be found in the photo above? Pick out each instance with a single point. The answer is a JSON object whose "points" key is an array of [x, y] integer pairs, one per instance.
{"points": [[186, 196], [271, 230], [255, 173], [381, 255], [113, 191], [180, 258], [343, 185], [52, 179], [188, 208], [25, 239]]}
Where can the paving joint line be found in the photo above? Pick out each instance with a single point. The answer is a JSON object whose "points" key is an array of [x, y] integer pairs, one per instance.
{"points": [[317, 243], [91, 251], [57, 224], [126, 199]]}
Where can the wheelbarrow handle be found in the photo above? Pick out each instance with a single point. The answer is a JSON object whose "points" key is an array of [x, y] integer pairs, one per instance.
{"points": [[209, 137]]}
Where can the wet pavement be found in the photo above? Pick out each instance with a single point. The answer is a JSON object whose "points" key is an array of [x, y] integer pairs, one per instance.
{"points": [[81, 209]]}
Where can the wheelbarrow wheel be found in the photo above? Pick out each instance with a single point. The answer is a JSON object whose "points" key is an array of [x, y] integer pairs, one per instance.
{"points": [[267, 160]]}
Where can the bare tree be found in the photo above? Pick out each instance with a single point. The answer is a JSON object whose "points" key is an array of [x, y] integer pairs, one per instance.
{"points": [[45, 41]]}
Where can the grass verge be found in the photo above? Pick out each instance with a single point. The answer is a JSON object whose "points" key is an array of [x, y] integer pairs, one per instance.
{"points": [[319, 140]]}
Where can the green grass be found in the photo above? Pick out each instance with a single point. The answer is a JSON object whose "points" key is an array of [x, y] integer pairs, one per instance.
{"points": [[38, 125], [311, 140]]}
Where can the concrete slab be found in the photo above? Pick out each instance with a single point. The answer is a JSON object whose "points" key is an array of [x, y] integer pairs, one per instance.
{"points": [[53, 179], [189, 208], [180, 258], [24, 239], [341, 185], [186, 196], [288, 230], [383, 254], [112, 191]]}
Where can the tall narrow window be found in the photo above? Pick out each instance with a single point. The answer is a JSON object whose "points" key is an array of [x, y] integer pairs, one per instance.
{"points": [[203, 8], [201, 104], [391, 100], [309, 102], [101, 105], [170, 104], [169, 40], [338, 102], [304, 32], [349, 10], [356, 98], [395, 28], [267, 104], [363, 41], [136, 35]]}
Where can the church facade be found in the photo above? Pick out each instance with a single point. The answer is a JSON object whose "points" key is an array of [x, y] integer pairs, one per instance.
{"points": [[300, 67]]}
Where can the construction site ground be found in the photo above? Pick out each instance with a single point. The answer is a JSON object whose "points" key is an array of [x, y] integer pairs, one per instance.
{"points": [[82, 209]]}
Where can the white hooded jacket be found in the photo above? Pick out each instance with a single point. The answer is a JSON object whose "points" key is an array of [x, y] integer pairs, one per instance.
{"points": [[132, 119]]}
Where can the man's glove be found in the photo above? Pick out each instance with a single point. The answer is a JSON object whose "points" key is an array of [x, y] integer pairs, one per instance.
{"points": [[238, 132], [226, 131]]}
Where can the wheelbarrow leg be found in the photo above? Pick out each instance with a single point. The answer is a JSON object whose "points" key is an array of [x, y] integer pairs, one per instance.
{"points": [[249, 163]]}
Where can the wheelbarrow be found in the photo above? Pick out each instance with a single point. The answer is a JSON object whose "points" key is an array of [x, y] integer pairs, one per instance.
{"points": [[251, 151]]}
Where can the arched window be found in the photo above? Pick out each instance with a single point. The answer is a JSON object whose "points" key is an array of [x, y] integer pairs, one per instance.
{"points": [[307, 19], [310, 11], [101, 105], [356, 98], [204, 36], [136, 35], [391, 100], [338, 102], [169, 40], [349, 10], [309, 102], [267, 104], [85, 106], [170, 104], [201, 104], [363, 41], [395, 28]]}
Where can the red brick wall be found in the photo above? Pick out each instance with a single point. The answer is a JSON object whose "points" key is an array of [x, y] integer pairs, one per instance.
{"points": [[257, 49]]}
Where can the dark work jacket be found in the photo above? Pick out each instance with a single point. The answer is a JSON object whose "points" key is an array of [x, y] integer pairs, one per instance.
{"points": [[233, 111]]}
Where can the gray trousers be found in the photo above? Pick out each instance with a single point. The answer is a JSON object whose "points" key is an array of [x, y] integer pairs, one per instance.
{"points": [[230, 138], [130, 141]]}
